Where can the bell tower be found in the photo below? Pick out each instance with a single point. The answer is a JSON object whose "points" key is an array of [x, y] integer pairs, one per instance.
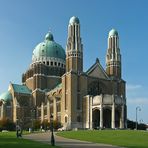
{"points": [[113, 57], [74, 47]]}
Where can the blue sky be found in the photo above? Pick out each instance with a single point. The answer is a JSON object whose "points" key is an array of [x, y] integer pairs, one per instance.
{"points": [[23, 24]]}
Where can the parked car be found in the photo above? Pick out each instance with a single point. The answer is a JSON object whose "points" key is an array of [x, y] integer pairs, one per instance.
{"points": [[61, 129]]}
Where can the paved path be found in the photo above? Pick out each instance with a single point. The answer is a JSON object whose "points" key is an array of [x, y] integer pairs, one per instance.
{"points": [[64, 142]]}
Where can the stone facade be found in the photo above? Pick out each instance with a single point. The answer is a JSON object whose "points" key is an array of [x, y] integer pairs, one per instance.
{"points": [[56, 84]]}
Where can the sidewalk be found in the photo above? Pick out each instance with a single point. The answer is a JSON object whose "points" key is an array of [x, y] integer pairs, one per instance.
{"points": [[64, 142]]}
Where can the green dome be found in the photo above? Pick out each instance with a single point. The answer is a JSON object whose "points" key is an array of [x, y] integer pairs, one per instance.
{"points": [[113, 32], [74, 20], [6, 96], [49, 48]]}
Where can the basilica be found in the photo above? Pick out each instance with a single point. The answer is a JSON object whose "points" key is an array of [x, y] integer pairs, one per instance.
{"points": [[55, 84]]}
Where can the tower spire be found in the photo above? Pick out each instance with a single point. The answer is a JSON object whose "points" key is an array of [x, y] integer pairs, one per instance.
{"points": [[74, 47], [113, 57]]}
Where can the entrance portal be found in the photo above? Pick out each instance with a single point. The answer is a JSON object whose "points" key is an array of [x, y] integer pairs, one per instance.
{"points": [[117, 118], [107, 118], [96, 118]]}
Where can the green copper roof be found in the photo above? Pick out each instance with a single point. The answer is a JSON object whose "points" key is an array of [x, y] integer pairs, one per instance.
{"points": [[59, 86], [21, 89], [49, 36], [113, 32], [6, 96], [74, 20], [49, 48]]}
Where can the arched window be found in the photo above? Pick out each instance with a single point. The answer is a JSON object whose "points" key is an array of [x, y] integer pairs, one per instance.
{"points": [[66, 119], [78, 119]]}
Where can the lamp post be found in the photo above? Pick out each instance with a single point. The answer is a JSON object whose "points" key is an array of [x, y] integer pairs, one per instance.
{"points": [[52, 135], [137, 109], [17, 128]]}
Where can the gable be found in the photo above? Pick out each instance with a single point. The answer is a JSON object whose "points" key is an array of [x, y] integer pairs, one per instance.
{"points": [[97, 71]]}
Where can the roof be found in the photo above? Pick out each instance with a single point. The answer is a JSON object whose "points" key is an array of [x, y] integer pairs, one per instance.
{"points": [[48, 48], [21, 89], [6, 96], [113, 32], [74, 20], [59, 86], [96, 70]]}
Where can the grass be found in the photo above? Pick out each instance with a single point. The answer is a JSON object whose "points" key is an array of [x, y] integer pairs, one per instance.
{"points": [[9, 140], [124, 138]]}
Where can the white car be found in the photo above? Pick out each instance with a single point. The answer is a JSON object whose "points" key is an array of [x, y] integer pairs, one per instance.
{"points": [[61, 129]]}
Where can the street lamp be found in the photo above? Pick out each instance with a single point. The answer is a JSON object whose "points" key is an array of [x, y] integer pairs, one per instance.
{"points": [[52, 135], [137, 109], [17, 128]]}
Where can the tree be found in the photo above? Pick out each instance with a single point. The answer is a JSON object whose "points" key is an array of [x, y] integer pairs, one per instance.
{"points": [[132, 125], [37, 124], [56, 124], [45, 124], [7, 124]]}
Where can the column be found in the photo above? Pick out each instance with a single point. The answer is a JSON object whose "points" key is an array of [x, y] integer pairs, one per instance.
{"points": [[101, 116], [122, 117], [3, 109], [14, 111], [101, 111], [113, 115], [42, 112], [86, 113], [90, 119], [48, 110], [54, 109]]}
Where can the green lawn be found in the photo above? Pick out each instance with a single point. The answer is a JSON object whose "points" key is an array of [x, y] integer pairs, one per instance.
{"points": [[124, 138], [9, 140]]}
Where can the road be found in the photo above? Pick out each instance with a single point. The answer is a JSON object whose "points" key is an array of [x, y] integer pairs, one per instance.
{"points": [[64, 142]]}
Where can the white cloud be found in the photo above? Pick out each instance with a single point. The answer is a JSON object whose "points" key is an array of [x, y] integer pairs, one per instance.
{"points": [[133, 87], [139, 101]]}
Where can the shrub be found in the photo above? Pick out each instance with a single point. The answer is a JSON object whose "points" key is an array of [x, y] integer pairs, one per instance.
{"points": [[37, 124], [46, 125]]}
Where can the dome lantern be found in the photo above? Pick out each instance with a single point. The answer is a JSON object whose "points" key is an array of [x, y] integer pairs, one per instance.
{"points": [[113, 32], [49, 36], [74, 20]]}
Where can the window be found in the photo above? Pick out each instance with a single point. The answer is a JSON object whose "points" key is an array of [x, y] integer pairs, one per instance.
{"points": [[66, 119], [58, 64], [78, 119], [55, 63], [51, 109], [47, 62], [58, 107], [51, 63]]}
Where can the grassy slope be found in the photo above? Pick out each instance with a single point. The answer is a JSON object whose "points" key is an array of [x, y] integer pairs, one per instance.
{"points": [[130, 139], [9, 140]]}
